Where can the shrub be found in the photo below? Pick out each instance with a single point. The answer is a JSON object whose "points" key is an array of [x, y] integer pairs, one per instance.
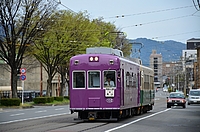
{"points": [[10, 102], [39, 100], [58, 98], [66, 97], [50, 99]]}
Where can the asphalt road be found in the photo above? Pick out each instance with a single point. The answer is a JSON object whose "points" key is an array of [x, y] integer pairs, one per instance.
{"points": [[16, 115]]}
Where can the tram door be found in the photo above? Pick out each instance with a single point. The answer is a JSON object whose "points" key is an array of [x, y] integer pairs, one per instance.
{"points": [[122, 87]]}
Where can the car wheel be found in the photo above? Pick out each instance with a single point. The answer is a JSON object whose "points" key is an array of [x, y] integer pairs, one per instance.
{"points": [[168, 106], [188, 103]]}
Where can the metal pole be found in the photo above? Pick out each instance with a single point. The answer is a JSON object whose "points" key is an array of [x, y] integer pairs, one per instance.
{"points": [[185, 75], [22, 92], [178, 83], [41, 79]]}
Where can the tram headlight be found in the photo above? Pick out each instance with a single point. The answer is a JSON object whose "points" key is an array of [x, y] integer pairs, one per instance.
{"points": [[93, 58]]}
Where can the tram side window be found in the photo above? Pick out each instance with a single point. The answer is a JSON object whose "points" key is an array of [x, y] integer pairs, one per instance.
{"points": [[78, 79], [134, 81], [128, 80], [109, 78], [94, 79]]}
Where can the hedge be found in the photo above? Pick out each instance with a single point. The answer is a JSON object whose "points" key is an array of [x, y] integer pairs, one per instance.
{"points": [[43, 100], [10, 102], [60, 98]]}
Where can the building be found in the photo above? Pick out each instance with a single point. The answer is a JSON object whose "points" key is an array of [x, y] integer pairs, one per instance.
{"points": [[197, 70], [156, 64], [172, 72], [193, 43], [36, 78]]}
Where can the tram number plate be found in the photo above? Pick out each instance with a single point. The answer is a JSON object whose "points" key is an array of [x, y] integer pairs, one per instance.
{"points": [[91, 119]]}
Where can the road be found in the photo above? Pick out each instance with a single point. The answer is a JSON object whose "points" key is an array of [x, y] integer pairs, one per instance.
{"points": [[13, 115], [58, 118]]}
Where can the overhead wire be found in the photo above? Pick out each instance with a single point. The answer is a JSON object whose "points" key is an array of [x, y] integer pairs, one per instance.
{"points": [[143, 13], [156, 21], [175, 34], [59, 2]]}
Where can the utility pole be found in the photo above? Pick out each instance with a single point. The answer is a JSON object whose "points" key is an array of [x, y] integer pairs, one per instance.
{"points": [[185, 74], [41, 80]]}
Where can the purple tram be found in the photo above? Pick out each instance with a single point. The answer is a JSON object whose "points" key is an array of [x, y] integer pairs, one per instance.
{"points": [[105, 85]]}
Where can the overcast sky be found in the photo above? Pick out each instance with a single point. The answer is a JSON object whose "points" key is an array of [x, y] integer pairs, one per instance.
{"points": [[159, 20]]}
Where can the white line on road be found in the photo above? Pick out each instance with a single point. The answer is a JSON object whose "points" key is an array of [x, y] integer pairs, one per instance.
{"points": [[41, 111], [59, 109], [17, 114], [32, 118], [136, 121]]}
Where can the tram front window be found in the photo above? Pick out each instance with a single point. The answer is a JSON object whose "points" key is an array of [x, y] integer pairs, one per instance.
{"points": [[109, 79], [94, 79], [78, 79]]}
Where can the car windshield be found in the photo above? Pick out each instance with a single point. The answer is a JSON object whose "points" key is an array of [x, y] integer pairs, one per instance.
{"points": [[176, 95], [195, 93]]}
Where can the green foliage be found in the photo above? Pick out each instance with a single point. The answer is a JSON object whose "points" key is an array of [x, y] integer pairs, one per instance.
{"points": [[43, 100], [50, 99], [60, 98], [66, 97], [39, 100], [170, 90], [69, 34], [10, 102]]}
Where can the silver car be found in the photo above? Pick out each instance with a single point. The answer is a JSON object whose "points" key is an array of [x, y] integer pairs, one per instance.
{"points": [[194, 96]]}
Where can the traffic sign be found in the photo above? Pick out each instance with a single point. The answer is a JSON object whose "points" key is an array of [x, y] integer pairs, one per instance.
{"points": [[23, 77], [22, 70], [22, 74]]}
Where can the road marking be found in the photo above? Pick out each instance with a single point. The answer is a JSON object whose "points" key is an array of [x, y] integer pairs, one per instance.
{"points": [[32, 118], [17, 114], [136, 120], [41, 111], [59, 109]]}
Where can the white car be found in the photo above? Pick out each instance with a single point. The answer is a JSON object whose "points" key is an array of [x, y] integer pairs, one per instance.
{"points": [[165, 89], [194, 96]]}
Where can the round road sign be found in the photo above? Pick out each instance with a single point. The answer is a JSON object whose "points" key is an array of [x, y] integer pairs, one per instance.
{"points": [[23, 77], [22, 70]]}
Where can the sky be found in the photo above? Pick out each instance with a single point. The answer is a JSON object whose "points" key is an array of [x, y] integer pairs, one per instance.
{"points": [[159, 20]]}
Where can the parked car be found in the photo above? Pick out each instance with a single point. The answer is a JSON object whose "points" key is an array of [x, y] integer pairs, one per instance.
{"points": [[176, 99], [194, 96]]}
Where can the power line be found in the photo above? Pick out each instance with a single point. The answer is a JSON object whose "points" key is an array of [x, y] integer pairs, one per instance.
{"points": [[143, 13], [59, 2], [141, 24], [176, 34]]}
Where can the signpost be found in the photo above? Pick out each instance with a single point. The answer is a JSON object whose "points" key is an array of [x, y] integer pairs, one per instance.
{"points": [[22, 78]]}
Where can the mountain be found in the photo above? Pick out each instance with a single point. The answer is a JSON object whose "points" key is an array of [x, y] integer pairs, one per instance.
{"points": [[170, 50]]}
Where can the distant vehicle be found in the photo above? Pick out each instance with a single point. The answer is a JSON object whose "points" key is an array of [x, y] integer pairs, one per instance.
{"points": [[165, 89], [176, 99], [194, 96]]}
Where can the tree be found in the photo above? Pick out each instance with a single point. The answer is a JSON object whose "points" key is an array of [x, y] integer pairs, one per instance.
{"points": [[19, 23], [68, 34]]}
